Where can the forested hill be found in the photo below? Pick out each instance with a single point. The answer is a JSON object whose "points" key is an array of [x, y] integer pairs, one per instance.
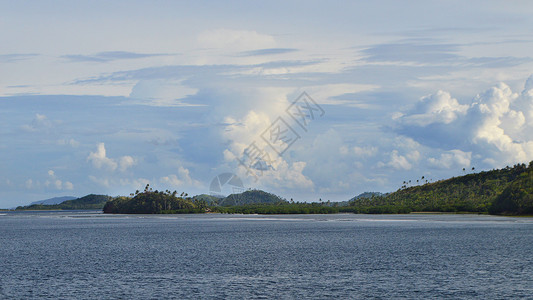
{"points": [[251, 197], [154, 202], [157, 202], [505, 191], [517, 197], [87, 202]]}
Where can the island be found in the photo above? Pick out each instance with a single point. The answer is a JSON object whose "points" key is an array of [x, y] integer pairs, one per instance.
{"points": [[506, 191]]}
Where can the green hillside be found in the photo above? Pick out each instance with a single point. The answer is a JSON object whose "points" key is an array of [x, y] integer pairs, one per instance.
{"points": [[208, 199], [517, 197], [251, 197], [154, 202], [498, 191], [87, 202]]}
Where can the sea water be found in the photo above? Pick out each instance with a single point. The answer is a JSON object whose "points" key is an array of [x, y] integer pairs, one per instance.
{"points": [[89, 255]]}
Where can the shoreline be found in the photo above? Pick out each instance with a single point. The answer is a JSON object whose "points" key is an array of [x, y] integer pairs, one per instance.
{"points": [[266, 214]]}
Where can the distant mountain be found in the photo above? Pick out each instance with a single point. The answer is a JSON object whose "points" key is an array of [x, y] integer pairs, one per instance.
{"points": [[251, 197], [87, 202], [55, 200]]}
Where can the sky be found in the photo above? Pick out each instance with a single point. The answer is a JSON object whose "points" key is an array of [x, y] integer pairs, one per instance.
{"points": [[305, 99]]}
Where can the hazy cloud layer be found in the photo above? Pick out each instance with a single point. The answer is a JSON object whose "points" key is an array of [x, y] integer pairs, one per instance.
{"points": [[108, 56]]}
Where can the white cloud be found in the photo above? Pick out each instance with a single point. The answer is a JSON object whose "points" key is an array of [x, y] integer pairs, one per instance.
{"points": [[365, 151], [451, 159], [100, 160], [496, 126], [126, 162], [51, 182], [435, 108], [40, 122], [67, 185], [397, 161], [181, 180], [58, 184], [241, 133], [115, 182]]}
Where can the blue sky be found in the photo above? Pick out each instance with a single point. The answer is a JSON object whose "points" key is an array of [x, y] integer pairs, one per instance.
{"points": [[99, 97]]}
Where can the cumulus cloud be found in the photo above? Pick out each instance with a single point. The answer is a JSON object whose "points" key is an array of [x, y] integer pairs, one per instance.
{"points": [[365, 151], [100, 160], [67, 185], [451, 159], [126, 162], [397, 161], [40, 122], [275, 170], [436, 108], [51, 181], [285, 176], [497, 126], [182, 179]]}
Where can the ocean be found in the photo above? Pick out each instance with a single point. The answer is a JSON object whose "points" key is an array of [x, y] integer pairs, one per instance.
{"points": [[90, 255]]}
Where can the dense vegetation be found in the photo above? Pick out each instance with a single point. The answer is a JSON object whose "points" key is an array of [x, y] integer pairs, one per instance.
{"points": [[157, 202], [517, 197], [210, 200], [251, 197], [88, 202], [154, 202], [249, 202], [506, 191]]}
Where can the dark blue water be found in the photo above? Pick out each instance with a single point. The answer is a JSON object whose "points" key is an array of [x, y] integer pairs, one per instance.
{"points": [[93, 256]]}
